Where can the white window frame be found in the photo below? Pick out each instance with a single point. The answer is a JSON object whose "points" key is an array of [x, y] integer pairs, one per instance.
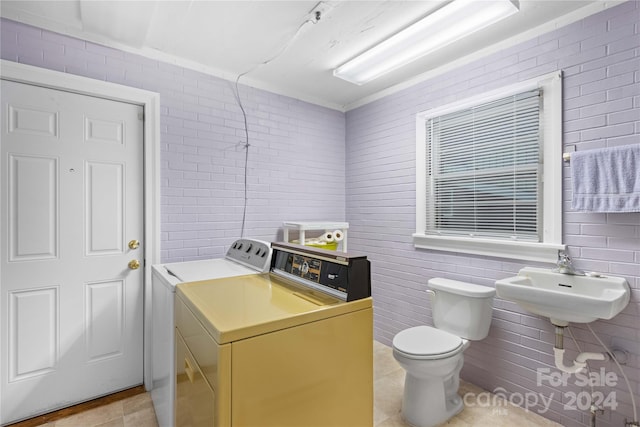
{"points": [[551, 237]]}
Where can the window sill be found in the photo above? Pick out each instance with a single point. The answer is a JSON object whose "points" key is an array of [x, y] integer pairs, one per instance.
{"points": [[529, 251]]}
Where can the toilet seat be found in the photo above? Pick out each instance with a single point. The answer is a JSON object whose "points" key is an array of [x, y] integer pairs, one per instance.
{"points": [[427, 343]]}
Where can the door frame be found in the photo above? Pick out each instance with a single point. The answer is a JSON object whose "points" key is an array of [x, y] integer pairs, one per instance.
{"points": [[150, 102]]}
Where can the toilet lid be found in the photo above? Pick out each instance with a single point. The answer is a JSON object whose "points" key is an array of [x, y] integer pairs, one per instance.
{"points": [[424, 341]]}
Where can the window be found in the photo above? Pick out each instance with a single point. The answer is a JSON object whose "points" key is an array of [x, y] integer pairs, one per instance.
{"points": [[489, 173]]}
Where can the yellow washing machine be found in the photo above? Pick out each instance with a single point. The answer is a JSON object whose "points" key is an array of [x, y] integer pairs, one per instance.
{"points": [[292, 347]]}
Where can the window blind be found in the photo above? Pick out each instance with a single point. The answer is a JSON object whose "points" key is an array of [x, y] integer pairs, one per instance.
{"points": [[484, 170]]}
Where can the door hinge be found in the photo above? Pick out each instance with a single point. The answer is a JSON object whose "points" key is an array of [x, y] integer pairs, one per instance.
{"points": [[140, 116]]}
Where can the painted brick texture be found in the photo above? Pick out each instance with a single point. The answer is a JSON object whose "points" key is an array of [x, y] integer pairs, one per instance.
{"points": [[600, 60], [296, 164]]}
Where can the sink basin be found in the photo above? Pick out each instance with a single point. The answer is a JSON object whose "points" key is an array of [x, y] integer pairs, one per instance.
{"points": [[565, 298]]}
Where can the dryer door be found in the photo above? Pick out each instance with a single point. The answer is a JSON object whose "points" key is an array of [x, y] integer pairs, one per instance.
{"points": [[195, 399]]}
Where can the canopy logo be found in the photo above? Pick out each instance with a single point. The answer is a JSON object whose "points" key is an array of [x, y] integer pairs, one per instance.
{"points": [[541, 403], [499, 400]]}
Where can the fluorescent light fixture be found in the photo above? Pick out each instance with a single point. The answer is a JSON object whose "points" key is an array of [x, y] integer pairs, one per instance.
{"points": [[452, 22]]}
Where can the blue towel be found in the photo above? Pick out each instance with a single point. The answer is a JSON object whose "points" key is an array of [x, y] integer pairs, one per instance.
{"points": [[606, 179]]}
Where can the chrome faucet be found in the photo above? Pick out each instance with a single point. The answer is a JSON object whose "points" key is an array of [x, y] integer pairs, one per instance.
{"points": [[565, 265]]}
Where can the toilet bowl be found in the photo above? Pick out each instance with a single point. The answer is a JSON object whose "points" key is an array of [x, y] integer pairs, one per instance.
{"points": [[433, 356]]}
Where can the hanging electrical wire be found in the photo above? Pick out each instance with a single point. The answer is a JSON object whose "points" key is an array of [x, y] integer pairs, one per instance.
{"points": [[236, 93]]}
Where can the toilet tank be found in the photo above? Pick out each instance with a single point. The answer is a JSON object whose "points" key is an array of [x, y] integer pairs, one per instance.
{"points": [[461, 308]]}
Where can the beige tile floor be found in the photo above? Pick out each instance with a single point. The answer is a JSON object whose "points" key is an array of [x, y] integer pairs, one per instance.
{"points": [[137, 411]]}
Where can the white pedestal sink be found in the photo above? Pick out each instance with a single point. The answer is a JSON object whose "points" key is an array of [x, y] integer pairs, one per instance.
{"points": [[565, 298]]}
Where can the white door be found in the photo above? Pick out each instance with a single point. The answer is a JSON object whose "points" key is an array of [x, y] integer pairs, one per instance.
{"points": [[71, 308]]}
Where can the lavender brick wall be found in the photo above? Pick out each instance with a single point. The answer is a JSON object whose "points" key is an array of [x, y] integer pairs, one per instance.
{"points": [[600, 58], [296, 168]]}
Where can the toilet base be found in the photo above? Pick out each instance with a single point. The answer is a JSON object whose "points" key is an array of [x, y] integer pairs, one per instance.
{"points": [[429, 401]]}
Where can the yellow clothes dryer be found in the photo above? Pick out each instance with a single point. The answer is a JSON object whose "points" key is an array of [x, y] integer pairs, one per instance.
{"points": [[289, 348]]}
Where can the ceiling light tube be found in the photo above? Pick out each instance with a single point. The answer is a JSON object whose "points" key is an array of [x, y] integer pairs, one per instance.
{"points": [[448, 24]]}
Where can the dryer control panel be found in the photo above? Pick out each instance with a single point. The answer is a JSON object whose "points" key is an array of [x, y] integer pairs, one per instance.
{"points": [[342, 275]]}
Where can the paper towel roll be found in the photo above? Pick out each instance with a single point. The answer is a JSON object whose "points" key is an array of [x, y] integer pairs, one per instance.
{"points": [[327, 237], [338, 236]]}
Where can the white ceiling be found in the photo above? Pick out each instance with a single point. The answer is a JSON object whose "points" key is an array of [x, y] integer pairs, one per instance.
{"points": [[227, 38]]}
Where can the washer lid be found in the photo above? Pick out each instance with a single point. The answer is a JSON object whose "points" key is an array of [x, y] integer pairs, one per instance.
{"points": [[426, 341], [206, 269]]}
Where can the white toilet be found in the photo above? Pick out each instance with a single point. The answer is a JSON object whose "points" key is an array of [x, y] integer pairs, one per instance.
{"points": [[433, 357]]}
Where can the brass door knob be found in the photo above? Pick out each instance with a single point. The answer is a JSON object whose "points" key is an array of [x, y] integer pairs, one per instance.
{"points": [[134, 264], [134, 244]]}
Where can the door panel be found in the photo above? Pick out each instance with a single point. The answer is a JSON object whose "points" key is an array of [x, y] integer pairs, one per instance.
{"points": [[104, 207], [33, 121], [72, 196], [102, 131], [105, 319], [33, 233], [33, 332]]}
